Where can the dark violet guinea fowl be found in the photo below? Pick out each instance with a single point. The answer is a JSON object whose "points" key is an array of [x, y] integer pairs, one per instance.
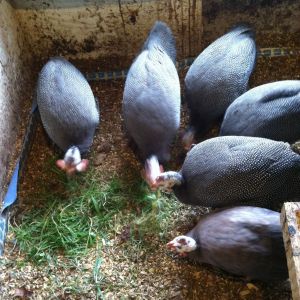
{"points": [[236, 170], [271, 110], [151, 100], [217, 77], [245, 241], [68, 111]]}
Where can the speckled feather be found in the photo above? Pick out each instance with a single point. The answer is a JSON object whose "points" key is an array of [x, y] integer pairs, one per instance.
{"points": [[219, 75], [234, 170], [151, 101], [245, 241], [67, 105], [271, 110]]}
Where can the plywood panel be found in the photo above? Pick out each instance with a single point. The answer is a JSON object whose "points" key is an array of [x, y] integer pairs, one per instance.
{"points": [[290, 220], [115, 28], [13, 74], [274, 21]]}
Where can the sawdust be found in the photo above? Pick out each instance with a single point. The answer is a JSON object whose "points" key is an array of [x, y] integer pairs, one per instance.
{"points": [[150, 272]]}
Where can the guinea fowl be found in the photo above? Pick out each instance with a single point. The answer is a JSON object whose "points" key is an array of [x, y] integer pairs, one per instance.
{"points": [[68, 111], [217, 77], [271, 110], [236, 170], [244, 241], [151, 100]]}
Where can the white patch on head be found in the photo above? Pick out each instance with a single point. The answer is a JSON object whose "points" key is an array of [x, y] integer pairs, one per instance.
{"points": [[183, 244], [73, 154], [167, 180]]}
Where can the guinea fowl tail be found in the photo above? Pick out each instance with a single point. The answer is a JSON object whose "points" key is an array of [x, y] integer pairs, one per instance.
{"points": [[161, 35], [243, 28]]}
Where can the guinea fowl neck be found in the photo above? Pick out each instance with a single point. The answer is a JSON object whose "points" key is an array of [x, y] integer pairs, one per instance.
{"points": [[181, 193], [197, 253]]}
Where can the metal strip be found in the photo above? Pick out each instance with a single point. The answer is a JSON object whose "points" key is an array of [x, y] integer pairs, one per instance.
{"points": [[187, 62], [12, 192], [61, 4]]}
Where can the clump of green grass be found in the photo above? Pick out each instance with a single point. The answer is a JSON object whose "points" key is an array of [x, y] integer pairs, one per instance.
{"points": [[155, 217], [70, 221]]}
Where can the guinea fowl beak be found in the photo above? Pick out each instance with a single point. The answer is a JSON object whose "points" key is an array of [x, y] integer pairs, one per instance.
{"points": [[171, 246], [183, 254]]}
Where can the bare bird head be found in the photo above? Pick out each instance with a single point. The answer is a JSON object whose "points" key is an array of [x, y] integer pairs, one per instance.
{"points": [[152, 170], [165, 181], [182, 245], [72, 162]]}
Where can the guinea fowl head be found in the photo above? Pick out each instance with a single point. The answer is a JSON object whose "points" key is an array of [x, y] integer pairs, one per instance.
{"points": [[72, 161], [152, 170], [166, 180], [182, 245]]}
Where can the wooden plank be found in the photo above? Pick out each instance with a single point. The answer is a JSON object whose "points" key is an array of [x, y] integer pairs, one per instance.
{"points": [[14, 73], [42, 4], [114, 28], [290, 221], [220, 15]]}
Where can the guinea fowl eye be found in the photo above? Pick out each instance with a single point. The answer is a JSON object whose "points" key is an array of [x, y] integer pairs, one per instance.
{"points": [[182, 241]]}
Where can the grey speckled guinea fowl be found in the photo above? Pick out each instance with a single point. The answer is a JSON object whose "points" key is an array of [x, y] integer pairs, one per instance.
{"points": [[218, 76], [271, 110], [244, 241], [151, 100], [68, 111], [235, 170]]}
